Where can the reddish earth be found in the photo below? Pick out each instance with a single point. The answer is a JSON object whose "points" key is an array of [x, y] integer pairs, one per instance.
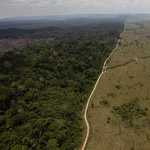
{"points": [[9, 44]]}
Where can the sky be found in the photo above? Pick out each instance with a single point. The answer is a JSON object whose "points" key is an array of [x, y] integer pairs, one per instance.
{"points": [[13, 8]]}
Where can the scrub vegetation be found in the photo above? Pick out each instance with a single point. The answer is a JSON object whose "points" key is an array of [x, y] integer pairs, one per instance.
{"points": [[125, 123]]}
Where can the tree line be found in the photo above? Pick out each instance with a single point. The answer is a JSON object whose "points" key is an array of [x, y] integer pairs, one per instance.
{"points": [[43, 87]]}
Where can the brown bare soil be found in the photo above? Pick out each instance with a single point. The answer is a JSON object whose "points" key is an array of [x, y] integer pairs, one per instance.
{"points": [[9, 44]]}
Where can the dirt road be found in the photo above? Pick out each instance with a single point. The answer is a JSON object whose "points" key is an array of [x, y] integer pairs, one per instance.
{"points": [[86, 121]]}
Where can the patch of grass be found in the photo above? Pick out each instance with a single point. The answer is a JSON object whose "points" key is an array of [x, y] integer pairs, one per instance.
{"points": [[141, 85], [118, 86], [92, 104], [108, 121], [109, 118], [105, 102], [137, 126], [129, 111], [122, 66], [148, 137], [146, 123], [111, 94], [131, 77]]}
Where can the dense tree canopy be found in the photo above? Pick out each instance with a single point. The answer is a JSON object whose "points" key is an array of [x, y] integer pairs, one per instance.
{"points": [[43, 88]]}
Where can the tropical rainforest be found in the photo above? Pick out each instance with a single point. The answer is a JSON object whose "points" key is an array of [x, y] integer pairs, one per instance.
{"points": [[44, 87]]}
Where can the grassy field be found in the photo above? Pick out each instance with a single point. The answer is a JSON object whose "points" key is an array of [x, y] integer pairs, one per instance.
{"points": [[120, 117]]}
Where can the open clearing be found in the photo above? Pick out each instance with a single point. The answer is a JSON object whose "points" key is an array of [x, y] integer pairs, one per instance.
{"points": [[126, 86]]}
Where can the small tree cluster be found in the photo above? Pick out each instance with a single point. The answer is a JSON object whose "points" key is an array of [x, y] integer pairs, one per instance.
{"points": [[104, 102], [129, 111]]}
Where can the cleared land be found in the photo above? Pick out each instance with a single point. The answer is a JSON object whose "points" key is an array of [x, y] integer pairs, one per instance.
{"points": [[119, 111], [87, 105], [10, 44]]}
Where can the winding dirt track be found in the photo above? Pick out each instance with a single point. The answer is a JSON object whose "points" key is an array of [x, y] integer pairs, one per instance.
{"points": [[104, 69]]}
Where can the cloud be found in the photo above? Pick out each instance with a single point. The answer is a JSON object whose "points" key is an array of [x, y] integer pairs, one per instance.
{"points": [[66, 3], [133, 1], [50, 7]]}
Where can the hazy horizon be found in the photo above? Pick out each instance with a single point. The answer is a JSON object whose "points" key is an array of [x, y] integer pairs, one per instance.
{"points": [[44, 16], [17, 8]]}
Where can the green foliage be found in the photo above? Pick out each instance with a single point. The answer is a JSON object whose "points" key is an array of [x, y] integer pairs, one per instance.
{"points": [[6, 95], [129, 111], [72, 29], [137, 126], [141, 85], [2, 120], [92, 104], [148, 137], [108, 121], [19, 147], [111, 94], [44, 87], [4, 79], [52, 144], [105, 102], [131, 77], [118, 86], [28, 97]]}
